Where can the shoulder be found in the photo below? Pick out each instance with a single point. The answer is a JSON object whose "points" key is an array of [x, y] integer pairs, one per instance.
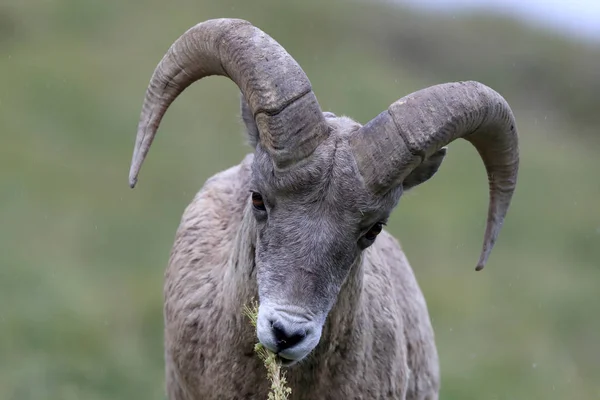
{"points": [[223, 192], [212, 216], [221, 198]]}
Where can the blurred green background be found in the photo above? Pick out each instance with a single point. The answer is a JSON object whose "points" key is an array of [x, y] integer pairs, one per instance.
{"points": [[82, 256]]}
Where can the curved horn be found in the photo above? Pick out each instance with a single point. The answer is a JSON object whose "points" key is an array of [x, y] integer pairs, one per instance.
{"points": [[392, 144], [278, 92]]}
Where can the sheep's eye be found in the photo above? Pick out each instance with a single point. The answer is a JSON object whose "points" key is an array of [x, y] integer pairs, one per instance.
{"points": [[374, 231], [257, 202]]}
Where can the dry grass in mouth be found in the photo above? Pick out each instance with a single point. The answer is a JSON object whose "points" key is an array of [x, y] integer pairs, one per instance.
{"points": [[279, 390]]}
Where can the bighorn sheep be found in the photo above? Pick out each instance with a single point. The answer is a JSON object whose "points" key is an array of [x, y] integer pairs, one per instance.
{"points": [[298, 224]]}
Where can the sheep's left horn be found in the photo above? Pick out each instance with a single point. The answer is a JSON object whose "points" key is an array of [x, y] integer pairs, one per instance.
{"points": [[391, 145]]}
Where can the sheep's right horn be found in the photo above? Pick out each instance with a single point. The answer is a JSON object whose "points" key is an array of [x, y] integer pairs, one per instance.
{"points": [[413, 128], [278, 92]]}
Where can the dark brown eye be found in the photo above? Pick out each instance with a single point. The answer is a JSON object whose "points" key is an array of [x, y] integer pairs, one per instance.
{"points": [[374, 231], [257, 202]]}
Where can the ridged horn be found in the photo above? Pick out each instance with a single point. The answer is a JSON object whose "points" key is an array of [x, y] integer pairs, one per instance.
{"points": [[278, 92], [392, 144]]}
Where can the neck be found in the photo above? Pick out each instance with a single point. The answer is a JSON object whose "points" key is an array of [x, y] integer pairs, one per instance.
{"points": [[241, 270], [340, 325]]}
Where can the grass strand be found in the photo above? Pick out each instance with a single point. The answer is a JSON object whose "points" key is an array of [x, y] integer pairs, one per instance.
{"points": [[279, 389]]}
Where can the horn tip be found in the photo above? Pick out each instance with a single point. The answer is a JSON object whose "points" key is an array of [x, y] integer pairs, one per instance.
{"points": [[132, 181], [483, 258]]}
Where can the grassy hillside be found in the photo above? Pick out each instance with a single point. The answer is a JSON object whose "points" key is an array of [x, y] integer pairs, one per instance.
{"points": [[82, 256]]}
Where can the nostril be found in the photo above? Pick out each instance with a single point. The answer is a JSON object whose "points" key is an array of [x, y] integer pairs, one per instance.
{"points": [[286, 338]]}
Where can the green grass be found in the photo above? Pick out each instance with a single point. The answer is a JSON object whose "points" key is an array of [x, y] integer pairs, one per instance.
{"points": [[82, 256]]}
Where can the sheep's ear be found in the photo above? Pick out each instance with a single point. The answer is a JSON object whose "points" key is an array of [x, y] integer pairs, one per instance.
{"points": [[248, 118], [425, 171]]}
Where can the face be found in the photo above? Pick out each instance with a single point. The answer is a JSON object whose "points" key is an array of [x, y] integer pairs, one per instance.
{"points": [[313, 222]]}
